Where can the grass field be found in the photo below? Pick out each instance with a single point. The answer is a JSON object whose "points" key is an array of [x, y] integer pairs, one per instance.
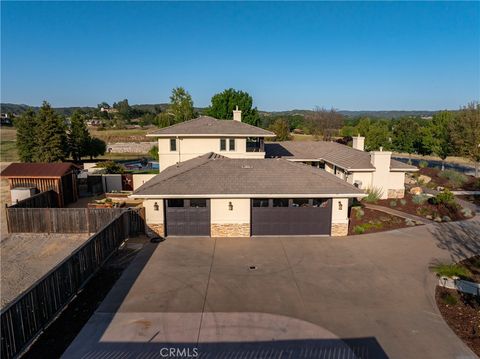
{"points": [[111, 136]]}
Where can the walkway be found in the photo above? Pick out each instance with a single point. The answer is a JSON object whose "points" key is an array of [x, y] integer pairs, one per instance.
{"points": [[261, 297], [398, 213]]}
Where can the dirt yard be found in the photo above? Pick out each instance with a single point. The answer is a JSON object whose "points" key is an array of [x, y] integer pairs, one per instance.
{"points": [[26, 257]]}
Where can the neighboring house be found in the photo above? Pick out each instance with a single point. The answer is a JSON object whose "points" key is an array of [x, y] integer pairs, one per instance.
{"points": [[60, 177], [213, 195], [190, 139], [365, 170]]}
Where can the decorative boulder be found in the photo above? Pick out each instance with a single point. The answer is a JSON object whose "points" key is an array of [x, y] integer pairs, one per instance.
{"points": [[416, 190], [425, 179]]}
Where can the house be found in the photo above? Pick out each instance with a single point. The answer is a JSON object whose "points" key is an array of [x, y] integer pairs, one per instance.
{"points": [[365, 170], [213, 195], [60, 177], [190, 139]]}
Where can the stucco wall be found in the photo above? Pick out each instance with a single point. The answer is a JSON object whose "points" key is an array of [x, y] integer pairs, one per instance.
{"points": [[220, 213], [364, 177], [188, 148], [340, 215], [152, 216], [140, 179], [381, 176]]}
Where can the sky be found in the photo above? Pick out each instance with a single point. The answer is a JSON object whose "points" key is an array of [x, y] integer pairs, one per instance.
{"points": [[287, 55]]}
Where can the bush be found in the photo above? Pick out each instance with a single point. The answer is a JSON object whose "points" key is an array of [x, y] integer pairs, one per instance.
{"points": [[409, 222], [467, 212], [423, 164], [111, 167], [457, 179], [451, 270], [359, 229], [359, 212], [393, 203], [373, 195], [448, 298], [445, 197], [419, 199], [403, 202]]}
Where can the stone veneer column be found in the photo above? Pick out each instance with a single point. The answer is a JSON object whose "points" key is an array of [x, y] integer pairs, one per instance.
{"points": [[339, 229], [230, 230], [155, 230]]}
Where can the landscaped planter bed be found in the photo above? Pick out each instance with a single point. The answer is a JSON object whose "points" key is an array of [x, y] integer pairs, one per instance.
{"points": [[438, 178], [373, 221]]}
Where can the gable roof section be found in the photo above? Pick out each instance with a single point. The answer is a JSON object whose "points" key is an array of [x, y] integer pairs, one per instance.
{"points": [[31, 170], [214, 175], [340, 155], [209, 126]]}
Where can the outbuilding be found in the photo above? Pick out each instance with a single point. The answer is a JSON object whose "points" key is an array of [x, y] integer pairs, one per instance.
{"points": [[216, 196]]}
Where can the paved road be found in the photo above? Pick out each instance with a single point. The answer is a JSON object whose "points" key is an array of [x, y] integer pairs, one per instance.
{"points": [[369, 295]]}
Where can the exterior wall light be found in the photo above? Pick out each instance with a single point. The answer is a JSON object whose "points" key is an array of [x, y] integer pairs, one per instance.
{"points": [[340, 205], [156, 207], [230, 206]]}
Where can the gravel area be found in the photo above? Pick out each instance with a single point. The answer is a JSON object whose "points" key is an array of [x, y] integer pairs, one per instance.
{"points": [[26, 257]]}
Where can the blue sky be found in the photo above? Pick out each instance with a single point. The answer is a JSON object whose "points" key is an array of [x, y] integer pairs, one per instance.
{"points": [[349, 55]]}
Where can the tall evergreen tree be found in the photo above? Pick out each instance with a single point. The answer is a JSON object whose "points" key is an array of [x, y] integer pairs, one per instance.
{"points": [[78, 136], [26, 143], [51, 136], [181, 105]]}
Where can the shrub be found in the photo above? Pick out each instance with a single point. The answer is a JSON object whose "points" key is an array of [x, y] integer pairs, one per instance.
{"points": [[448, 298], [419, 199], [393, 203], [359, 212], [451, 270], [446, 219], [373, 194], [409, 222], [457, 179], [403, 202], [111, 167], [359, 229], [423, 164], [467, 212], [444, 197]]}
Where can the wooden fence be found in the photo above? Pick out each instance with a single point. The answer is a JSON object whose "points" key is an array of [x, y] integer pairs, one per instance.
{"points": [[24, 319], [59, 220], [47, 199]]}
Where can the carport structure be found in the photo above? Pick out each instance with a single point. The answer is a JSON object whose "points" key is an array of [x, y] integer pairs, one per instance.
{"points": [[216, 196]]}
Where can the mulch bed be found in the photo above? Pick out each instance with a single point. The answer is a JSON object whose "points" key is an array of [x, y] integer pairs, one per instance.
{"points": [[462, 314], [388, 221], [61, 333], [433, 173], [475, 199], [421, 210], [473, 265]]}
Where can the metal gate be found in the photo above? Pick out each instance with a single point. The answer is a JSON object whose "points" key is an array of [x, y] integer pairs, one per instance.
{"points": [[291, 216], [187, 217]]}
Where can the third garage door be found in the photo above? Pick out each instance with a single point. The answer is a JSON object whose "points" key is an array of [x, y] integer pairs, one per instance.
{"points": [[298, 216]]}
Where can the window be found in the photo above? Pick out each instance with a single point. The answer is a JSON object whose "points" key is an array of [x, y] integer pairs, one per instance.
{"points": [[175, 202], [173, 144], [198, 203], [260, 202], [280, 202], [300, 202], [223, 144], [231, 144], [320, 202]]}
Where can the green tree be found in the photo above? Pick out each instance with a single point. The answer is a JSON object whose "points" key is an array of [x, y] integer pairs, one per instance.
{"points": [[406, 135], [181, 105], [153, 153], [111, 167], [378, 135], [225, 102], [52, 144], [96, 147], [78, 135], [465, 132], [26, 142], [436, 136], [281, 128]]}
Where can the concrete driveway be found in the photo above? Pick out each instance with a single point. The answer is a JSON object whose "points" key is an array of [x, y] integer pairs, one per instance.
{"points": [[368, 296]]}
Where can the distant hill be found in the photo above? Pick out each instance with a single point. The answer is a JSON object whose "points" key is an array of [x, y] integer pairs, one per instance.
{"points": [[67, 111]]}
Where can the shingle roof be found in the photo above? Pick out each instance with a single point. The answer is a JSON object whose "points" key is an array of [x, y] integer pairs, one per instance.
{"points": [[340, 155], [399, 165], [212, 174], [209, 126], [37, 169]]}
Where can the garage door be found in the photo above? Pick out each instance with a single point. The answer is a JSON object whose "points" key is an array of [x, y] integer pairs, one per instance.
{"points": [[187, 217], [298, 216]]}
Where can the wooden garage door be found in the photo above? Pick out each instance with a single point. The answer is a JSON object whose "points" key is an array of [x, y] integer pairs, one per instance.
{"points": [[187, 217], [298, 216]]}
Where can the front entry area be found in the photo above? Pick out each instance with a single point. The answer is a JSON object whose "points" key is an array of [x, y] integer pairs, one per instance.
{"points": [[187, 217], [297, 216]]}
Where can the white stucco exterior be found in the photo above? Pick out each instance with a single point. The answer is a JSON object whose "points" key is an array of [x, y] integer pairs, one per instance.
{"points": [[340, 210], [151, 215], [221, 213]]}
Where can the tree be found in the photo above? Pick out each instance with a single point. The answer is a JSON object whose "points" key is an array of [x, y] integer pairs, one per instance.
{"points": [[378, 135], [181, 105], [436, 136], [96, 147], [324, 122], [225, 102], [26, 143], [281, 128], [153, 153], [465, 132], [78, 136], [111, 167], [406, 135], [52, 144]]}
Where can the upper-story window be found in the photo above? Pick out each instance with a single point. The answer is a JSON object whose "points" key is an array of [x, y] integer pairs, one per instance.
{"points": [[173, 144], [231, 144], [223, 144]]}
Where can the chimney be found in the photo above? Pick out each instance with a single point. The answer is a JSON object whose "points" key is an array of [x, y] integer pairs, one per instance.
{"points": [[359, 143], [237, 115]]}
